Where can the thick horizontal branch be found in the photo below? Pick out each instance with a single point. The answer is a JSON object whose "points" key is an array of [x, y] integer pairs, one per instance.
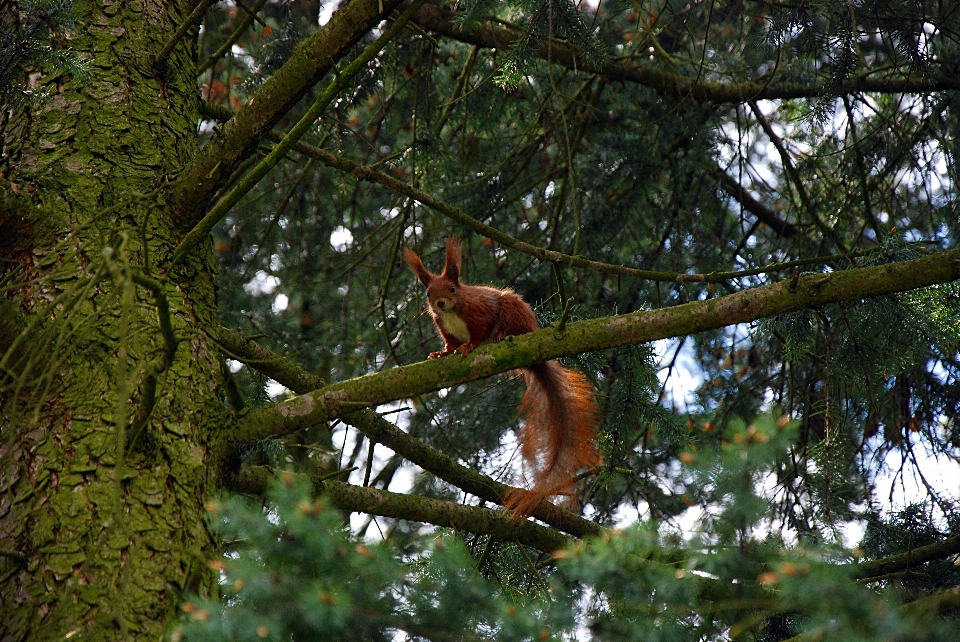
{"points": [[472, 519], [312, 59], [373, 501], [907, 560], [381, 431], [800, 292], [498, 36]]}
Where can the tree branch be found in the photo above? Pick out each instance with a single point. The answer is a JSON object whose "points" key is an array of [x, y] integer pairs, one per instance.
{"points": [[369, 174], [763, 213], [160, 63], [943, 601], [909, 559], [214, 164], [473, 519], [493, 36], [228, 44], [497, 523], [387, 434], [806, 291], [266, 361], [201, 230], [932, 605], [383, 432]]}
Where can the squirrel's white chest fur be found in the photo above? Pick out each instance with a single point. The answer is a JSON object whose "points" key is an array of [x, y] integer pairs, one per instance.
{"points": [[455, 325]]}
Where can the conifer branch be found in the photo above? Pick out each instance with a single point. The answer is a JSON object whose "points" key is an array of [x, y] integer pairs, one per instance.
{"points": [[903, 561], [238, 32], [501, 524], [163, 315], [802, 292], [492, 36], [202, 229], [148, 390], [238, 138], [378, 429], [369, 174], [372, 175], [787, 161], [938, 603], [267, 362], [472, 519], [386, 433], [762, 213]]}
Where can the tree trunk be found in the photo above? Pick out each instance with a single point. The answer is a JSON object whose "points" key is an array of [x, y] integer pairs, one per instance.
{"points": [[110, 430]]}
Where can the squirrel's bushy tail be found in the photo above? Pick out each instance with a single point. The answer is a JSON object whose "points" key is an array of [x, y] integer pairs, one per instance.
{"points": [[559, 414]]}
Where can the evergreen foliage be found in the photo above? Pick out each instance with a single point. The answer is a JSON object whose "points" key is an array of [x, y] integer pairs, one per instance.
{"points": [[299, 574], [25, 47]]}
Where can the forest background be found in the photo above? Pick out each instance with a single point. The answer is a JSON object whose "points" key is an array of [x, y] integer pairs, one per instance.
{"points": [[205, 201]]}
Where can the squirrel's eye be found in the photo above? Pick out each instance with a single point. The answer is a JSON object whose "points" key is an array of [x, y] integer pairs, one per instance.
{"points": [[453, 288]]}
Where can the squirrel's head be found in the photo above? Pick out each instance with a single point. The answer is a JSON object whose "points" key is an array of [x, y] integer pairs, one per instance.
{"points": [[441, 288]]}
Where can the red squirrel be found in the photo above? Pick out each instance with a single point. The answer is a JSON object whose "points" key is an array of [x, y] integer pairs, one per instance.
{"points": [[558, 408]]}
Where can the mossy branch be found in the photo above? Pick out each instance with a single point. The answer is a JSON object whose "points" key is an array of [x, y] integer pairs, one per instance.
{"points": [[148, 390], [373, 501], [801, 292], [160, 64], [379, 430], [903, 561], [473, 519], [234, 142], [497, 36], [275, 366], [341, 81], [934, 605], [937, 604], [156, 288]]}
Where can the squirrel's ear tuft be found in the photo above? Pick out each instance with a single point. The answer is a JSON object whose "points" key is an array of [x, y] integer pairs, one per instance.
{"points": [[451, 269], [416, 265]]}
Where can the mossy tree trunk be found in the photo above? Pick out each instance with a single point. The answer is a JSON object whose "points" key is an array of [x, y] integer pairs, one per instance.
{"points": [[109, 447]]}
